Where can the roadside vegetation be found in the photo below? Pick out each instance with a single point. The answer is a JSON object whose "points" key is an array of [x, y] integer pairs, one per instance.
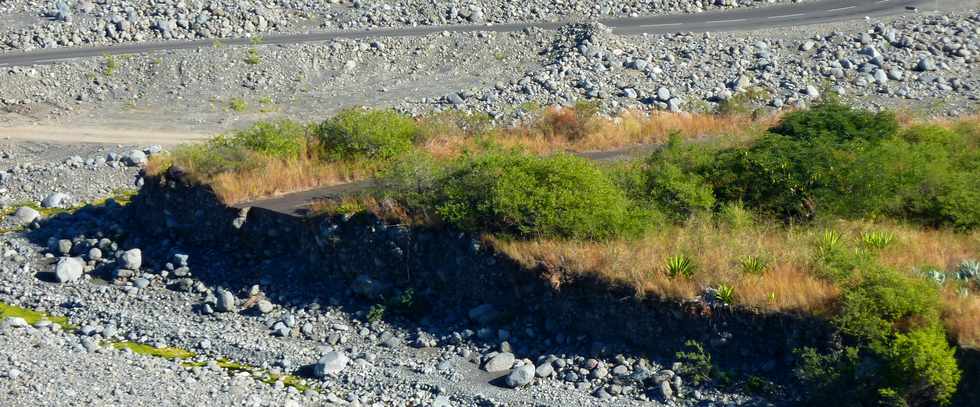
{"points": [[858, 218]]}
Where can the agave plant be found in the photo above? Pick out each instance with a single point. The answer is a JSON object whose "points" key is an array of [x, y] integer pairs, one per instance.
{"points": [[933, 274], [754, 265], [968, 270], [725, 294], [830, 241], [877, 239], [680, 265]]}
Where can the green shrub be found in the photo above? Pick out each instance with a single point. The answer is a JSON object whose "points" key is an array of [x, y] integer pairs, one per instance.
{"points": [[673, 182], [837, 122], [284, 138], [884, 300], [923, 363], [520, 195], [372, 134], [695, 365]]}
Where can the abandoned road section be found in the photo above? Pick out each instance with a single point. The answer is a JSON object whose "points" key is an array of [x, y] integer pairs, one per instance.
{"points": [[814, 12]]}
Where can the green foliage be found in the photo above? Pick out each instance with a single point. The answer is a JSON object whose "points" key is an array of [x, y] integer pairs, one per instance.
{"points": [[238, 105], [696, 366], [372, 134], [673, 182], [283, 138], [753, 265], [147, 350], [252, 57], [735, 215], [725, 294], [899, 352], [376, 313], [877, 239], [922, 360], [109, 64], [837, 122], [516, 194], [680, 265], [884, 300]]}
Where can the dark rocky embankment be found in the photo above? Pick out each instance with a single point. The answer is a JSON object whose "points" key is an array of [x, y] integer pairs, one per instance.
{"points": [[451, 270]]}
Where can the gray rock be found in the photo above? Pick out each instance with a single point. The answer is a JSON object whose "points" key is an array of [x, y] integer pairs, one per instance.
{"points": [[280, 329], [925, 64], [663, 94], [69, 269], [56, 200], [226, 301], [331, 363], [134, 158], [25, 215], [666, 391], [264, 306], [500, 362], [94, 254], [64, 247], [544, 370], [15, 322], [141, 283], [520, 376], [812, 91], [131, 259]]}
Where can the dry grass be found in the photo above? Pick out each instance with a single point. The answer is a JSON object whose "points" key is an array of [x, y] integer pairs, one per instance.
{"points": [[267, 176], [284, 176], [961, 315], [789, 283], [562, 129]]}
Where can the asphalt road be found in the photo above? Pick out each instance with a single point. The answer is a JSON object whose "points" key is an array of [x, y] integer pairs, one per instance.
{"points": [[744, 19]]}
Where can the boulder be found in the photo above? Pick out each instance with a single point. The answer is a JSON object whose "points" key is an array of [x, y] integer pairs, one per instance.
{"points": [[520, 376], [25, 215], [500, 362], [69, 269], [331, 363]]}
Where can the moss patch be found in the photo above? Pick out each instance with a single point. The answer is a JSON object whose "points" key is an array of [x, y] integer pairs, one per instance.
{"points": [[32, 316], [263, 375], [143, 349]]}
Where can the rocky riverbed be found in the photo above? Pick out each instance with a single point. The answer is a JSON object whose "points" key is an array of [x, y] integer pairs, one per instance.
{"points": [[924, 63], [248, 329], [47, 24]]}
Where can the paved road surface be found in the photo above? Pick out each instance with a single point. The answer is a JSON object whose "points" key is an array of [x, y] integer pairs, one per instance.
{"points": [[810, 12]]}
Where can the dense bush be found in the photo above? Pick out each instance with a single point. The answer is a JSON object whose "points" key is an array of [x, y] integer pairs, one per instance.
{"points": [[373, 134], [830, 161], [517, 194], [673, 181], [284, 138], [897, 352], [837, 122]]}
